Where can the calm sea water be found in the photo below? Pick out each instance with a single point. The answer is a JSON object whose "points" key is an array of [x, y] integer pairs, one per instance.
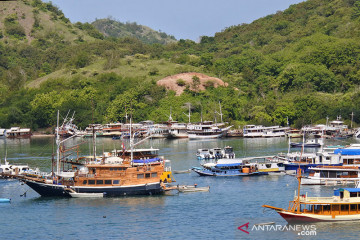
{"points": [[231, 202]]}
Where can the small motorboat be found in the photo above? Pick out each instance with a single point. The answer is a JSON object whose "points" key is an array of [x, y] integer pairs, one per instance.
{"points": [[5, 200], [311, 143], [75, 194], [86, 195], [192, 188], [182, 171]]}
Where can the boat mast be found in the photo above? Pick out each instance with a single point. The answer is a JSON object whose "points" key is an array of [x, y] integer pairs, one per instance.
{"points": [[58, 146], [221, 114], [298, 176], [94, 142], [188, 115], [131, 143]]}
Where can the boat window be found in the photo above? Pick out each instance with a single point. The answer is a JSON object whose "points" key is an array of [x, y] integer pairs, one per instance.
{"points": [[353, 207], [99, 181], [91, 181], [154, 174], [107, 181], [140, 176], [116, 181], [111, 169], [147, 175], [353, 194], [85, 182], [115, 169], [344, 207]]}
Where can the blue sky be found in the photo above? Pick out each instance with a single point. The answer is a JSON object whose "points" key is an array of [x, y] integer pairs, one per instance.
{"points": [[184, 19]]}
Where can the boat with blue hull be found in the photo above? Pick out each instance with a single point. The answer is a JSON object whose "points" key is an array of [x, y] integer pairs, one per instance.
{"points": [[55, 190], [229, 169]]}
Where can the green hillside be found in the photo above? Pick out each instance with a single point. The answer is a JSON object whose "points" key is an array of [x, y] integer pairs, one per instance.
{"points": [[302, 64], [113, 28]]}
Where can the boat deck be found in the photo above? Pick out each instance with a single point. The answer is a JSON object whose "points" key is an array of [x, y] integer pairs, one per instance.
{"points": [[328, 200]]}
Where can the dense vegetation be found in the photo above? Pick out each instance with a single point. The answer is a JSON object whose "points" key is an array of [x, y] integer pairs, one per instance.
{"points": [[112, 28], [301, 64]]}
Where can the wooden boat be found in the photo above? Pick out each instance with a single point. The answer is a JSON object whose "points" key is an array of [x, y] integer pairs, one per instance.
{"points": [[193, 188], [113, 175], [343, 206]]}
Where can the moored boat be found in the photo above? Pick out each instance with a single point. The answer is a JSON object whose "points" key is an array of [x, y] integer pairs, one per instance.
{"points": [[192, 188], [113, 176], [226, 168], [342, 206], [332, 175]]}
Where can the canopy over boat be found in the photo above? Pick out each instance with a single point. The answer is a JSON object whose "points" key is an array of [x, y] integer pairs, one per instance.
{"points": [[228, 165], [146, 160], [352, 190], [347, 151]]}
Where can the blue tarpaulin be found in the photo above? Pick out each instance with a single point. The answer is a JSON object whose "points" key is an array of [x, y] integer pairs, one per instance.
{"points": [[146, 160], [228, 165], [347, 151], [337, 191]]}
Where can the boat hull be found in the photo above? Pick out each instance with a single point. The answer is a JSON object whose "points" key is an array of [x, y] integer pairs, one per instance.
{"points": [[328, 181], [304, 167], [306, 218], [222, 173], [52, 190]]}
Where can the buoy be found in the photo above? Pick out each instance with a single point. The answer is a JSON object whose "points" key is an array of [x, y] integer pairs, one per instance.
{"points": [[104, 216], [5, 200]]}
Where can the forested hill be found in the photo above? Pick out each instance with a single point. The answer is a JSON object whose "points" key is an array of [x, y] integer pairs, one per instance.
{"points": [[113, 28], [301, 64]]}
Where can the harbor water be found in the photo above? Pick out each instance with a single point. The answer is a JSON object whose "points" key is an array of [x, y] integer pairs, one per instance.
{"points": [[232, 202]]}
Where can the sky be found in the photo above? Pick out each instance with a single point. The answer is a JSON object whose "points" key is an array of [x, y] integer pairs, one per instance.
{"points": [[184, 19]]}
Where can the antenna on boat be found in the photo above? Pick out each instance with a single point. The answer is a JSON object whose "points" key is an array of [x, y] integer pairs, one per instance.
{"points": [[352, 118]]}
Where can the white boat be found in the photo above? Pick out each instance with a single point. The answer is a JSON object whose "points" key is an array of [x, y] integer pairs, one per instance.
{"points": [[206, 130], [271, 168], [332, 175], [259, 131], [203, 153], [193, 188], [178, 130], [2, 132], [228, 152], [86, 195], [17, 132], [215, 153], [10, 170], [275, 132], [182, 171]]}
